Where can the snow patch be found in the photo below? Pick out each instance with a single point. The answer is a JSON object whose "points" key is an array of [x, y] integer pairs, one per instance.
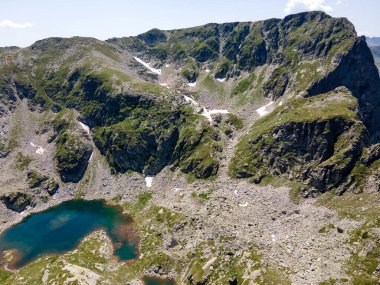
{"points": [[192, 84], [208, 70], [85, 127], [219, 112], [149, 181], [207, 113], [262, 111], [281, 103], [191, 100], [40, 150], [165, 85], [154, 70], [243, 205], [221, 79], [167, 65]]}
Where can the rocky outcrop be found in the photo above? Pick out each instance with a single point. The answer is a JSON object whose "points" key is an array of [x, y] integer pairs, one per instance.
{"points": [[197, 150], [3, 150], [72, 155], [141, 126], [40, 182], [17, 201], [356, 71], [145, 149], [307, 151], [300, 142], [310, 52], [365, 175]]}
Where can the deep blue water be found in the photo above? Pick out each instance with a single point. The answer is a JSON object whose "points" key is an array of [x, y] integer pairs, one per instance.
{"points": [[61, 228]]}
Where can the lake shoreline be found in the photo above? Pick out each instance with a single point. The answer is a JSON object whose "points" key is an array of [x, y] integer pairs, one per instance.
{"points": [[122, 235]]}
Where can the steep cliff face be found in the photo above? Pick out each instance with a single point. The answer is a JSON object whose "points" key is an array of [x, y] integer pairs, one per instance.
{"points": [[313, 35], [356, 70], [299, 49], [129, 92], [143, 142], [307, 53], [315, 140], [136, 123]]}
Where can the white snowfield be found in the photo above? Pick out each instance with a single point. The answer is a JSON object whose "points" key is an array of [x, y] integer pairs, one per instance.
{"points": [[40, 150], [165, 85], [243, 205], [149, 181], [205, 113], [221, 79], [192, 84], [262, 111], [191, 100], [85, 127], [154, 70]]}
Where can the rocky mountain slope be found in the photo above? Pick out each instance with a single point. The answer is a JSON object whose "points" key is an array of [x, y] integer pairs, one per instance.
{"points": [[374, 45], [291, 102]]}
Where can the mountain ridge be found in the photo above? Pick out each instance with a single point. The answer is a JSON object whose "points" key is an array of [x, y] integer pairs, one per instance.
{"points": [[207, 116]]}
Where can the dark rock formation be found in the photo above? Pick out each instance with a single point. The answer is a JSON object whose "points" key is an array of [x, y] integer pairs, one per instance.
{"points": [[356, 71], [143, 127], [72, 154], [305, 151], [147, 150], [301, 143], [197, 151], [17, 201], [233, 281], [40, 181]]}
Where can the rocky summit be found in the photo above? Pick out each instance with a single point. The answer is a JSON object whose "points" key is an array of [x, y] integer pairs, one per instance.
{"points": [[246, 153]]}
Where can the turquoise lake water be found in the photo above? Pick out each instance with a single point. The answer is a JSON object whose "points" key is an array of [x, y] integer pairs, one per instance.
{"points": [[61, 228]]}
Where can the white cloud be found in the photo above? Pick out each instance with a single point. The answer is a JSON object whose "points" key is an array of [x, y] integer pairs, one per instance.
{"points": [[13, 25], [294, 6]]}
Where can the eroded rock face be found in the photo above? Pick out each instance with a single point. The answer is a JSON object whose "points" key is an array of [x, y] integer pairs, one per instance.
{"points": [[72, 154], [307, 152], [356, 70], [141, 126], [17, 201], [40, 181], [147, 150], [197, 150], [300, 142]]}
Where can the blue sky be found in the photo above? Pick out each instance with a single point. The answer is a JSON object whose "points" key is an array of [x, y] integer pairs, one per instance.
{"points": [[22, 22]]}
